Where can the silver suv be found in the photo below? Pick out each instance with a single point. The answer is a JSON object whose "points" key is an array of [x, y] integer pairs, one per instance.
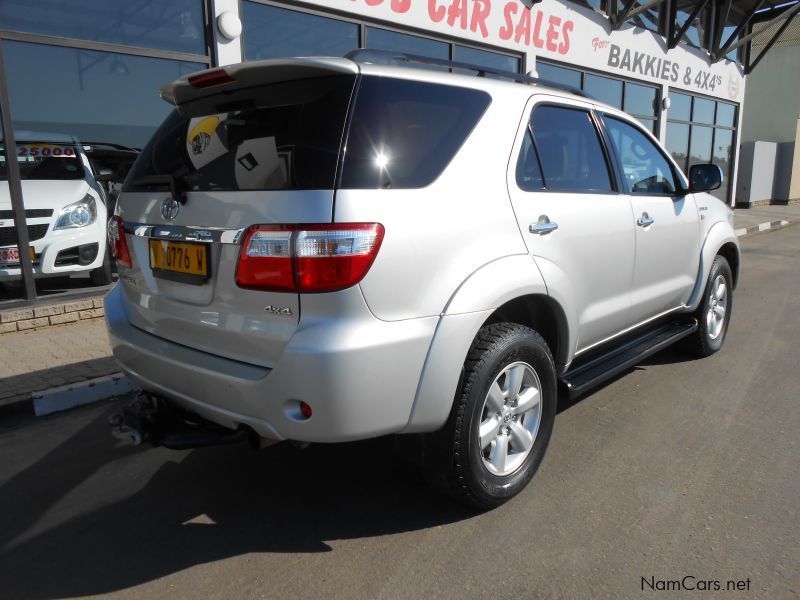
{"points": [[332, 249]]}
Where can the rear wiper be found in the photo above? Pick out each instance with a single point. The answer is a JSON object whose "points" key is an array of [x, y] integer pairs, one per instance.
{"points": [[175, 188]]}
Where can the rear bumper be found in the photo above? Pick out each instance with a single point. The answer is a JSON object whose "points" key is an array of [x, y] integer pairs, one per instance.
{"points": [[358, 374]]}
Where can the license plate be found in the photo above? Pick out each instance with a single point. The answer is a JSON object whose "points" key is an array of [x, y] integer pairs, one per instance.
{"points": [[179, 261], [10, 256]]}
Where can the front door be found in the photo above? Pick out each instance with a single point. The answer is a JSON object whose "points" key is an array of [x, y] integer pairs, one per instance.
{"points": [[667, 224]]}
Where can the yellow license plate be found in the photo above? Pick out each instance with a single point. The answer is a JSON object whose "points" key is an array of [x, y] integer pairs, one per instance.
{"points": [[178, 257]]}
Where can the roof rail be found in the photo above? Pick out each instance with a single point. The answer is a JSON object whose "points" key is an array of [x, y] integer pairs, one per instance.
{"points": [[386, 57]]}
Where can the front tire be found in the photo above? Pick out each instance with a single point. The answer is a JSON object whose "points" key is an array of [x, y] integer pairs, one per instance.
{"points": [[714, 313], [501, 420], [102, 275]]}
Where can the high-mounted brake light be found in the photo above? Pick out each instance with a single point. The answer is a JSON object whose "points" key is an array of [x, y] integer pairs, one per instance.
{"points": [[117, 242], [307, 258], [210, 78]]}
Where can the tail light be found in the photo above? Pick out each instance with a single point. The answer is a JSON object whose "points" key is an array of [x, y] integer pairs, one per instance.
{"points": [[117, 243], [307, 258]]}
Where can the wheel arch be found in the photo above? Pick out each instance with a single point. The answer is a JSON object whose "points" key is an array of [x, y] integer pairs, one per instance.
{"points": [[541, 313], [730, 252], [720, 240], [478, 302]]}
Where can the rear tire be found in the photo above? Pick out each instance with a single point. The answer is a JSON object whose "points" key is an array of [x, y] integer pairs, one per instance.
{"points": [[501, 420], [714, 313], [102, 275]]}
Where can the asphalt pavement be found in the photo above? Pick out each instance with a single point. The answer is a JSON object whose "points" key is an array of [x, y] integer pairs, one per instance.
{"points": [[678, 471]]}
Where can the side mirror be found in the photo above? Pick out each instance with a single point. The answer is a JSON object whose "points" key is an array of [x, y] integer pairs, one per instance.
{"points": [[104, 175], [704, 178]]}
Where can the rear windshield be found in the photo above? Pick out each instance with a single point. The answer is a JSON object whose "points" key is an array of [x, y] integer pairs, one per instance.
{"points": [[44, 160], [282, 137], [404, 133]]}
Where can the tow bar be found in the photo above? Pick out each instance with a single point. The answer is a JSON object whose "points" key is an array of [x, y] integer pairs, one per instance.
{"points": [[149, 418]]}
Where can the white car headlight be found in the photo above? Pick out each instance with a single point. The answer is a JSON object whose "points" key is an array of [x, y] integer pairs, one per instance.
{"points": [[78, 214]]}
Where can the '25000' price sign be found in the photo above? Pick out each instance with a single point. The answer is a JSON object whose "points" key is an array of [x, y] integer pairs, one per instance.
{"points": [[45, 150]]}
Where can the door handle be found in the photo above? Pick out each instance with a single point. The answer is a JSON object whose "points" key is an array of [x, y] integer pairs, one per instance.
{"points": [[645, 220], [543, 226]]}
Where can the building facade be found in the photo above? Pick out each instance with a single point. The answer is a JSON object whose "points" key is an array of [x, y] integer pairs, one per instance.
{"points": [[92, 69]]}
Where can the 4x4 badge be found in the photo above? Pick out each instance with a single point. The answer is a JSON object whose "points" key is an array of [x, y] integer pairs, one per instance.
{"points": [[170, 208], [277, 310]]}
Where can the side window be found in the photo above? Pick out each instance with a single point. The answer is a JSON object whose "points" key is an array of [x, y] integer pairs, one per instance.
{"points": [[529, 174], [645, 168], [571, 156]]}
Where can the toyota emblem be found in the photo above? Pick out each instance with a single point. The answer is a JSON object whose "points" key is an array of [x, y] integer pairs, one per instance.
{"points": [[170, 208]]}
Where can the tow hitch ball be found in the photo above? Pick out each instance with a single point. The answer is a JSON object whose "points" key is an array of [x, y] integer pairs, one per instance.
{"points": [[136, 422]]}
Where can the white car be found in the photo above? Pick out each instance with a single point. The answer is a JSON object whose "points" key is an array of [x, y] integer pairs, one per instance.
{"points": [[65, 210]]}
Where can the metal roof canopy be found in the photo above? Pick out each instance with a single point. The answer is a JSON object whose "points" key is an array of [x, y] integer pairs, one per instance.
{"points": [[718, 15]]}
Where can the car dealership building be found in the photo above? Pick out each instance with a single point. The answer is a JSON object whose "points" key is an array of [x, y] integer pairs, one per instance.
{"points": [[92, 69]]}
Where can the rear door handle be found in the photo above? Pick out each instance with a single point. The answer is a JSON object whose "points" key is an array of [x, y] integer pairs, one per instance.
{"points": [[543, 226], [645, 220]]}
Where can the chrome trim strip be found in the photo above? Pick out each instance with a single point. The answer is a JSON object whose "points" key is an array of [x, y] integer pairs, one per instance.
{"points": [[185, 233]]}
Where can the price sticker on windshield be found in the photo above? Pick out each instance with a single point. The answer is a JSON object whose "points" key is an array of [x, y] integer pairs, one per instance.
{"points": [[45, 150]]}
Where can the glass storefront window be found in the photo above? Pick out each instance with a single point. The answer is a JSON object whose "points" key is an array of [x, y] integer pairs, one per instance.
{"points": [[484, 58], [11, 286], [722, 155], [700, 146], [680, 107], [701, 130], [382, 39], [271, 32], [559, 74], [703, 111], [94, 96], [636, 99], [604, 89], [640, 99], [726, 114], [678, 143], [177, 25], [649, 124]]}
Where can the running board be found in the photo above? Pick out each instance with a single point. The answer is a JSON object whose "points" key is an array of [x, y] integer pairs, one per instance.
{"points": [[592, 372]]}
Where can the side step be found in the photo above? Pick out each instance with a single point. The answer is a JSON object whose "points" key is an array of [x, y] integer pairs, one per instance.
{"points": [[597, 369]]}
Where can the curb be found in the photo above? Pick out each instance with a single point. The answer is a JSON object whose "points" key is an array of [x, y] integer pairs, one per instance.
{"points": [[746, 231], [65, 397]]}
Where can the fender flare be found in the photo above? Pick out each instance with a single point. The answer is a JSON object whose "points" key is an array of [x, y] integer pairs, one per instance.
{"points": [[719, 235], [464, 314]]}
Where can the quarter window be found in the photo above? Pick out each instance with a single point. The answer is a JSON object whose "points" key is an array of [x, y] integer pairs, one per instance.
{"points": [[645, 168], [572, 158]]}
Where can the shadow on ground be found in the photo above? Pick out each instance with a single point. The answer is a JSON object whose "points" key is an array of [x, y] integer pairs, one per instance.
{"points": [[12, 386], [198, 506]]}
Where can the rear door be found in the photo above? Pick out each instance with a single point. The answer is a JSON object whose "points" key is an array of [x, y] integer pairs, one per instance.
{"points": [[575, 224], [221, 162], [666, 219]]}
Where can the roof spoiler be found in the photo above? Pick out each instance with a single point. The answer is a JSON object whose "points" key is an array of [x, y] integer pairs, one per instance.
{"points": [[231, 78]]}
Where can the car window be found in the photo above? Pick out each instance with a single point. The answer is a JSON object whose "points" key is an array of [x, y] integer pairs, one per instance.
{"points": [[282, 136], [404, 133], [572, 158], [529, 173], [645, 168]]}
